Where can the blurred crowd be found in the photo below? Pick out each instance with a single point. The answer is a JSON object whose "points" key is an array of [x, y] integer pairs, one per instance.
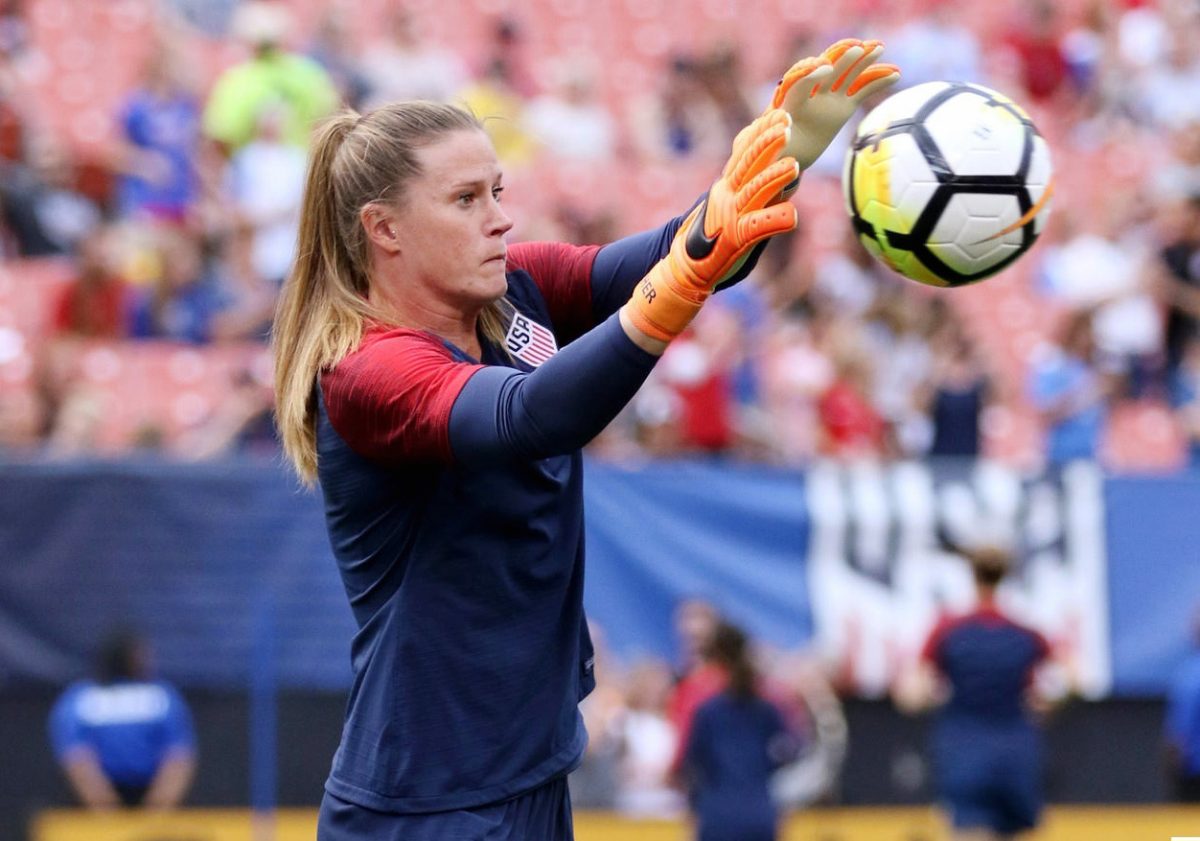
{"points": [[182, 231], [640, 720]]}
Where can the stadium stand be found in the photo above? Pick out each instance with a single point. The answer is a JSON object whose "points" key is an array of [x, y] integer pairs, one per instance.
{"points": [[75, 95]]}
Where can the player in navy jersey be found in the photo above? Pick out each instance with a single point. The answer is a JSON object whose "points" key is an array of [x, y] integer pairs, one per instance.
{"points": [[987, 745], [439, 384], [736, 741]]}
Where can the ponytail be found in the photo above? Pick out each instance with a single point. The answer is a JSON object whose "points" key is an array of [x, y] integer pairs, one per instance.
{"points": [[729, 649], [322, 307]]}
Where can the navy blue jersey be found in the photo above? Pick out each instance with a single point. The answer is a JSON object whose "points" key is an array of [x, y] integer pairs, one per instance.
{"points": [[466, 583], [454, 503], [988, 661], [987, 751], [733, 747]]}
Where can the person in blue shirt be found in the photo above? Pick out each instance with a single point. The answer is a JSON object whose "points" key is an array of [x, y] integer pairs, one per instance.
{"points": [[737, 740], [1183, 725], [440, 383], [186, 301], [1184, 392], [125, 738], [159, 145], [957, 394], [987, 745], [1071, 394]]}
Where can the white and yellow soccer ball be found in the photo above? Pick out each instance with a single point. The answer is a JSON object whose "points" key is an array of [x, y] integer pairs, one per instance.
{"points": [[948, 182]]}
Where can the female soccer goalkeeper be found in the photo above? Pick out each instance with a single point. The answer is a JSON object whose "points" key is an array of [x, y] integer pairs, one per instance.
{"points": [[439, 385]]}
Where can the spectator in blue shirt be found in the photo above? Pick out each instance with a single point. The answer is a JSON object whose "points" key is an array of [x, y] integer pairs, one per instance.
{"points": [[1071, 394], [1185, 397], [124, 739], [186, 301], [159, 144], [1183, 725]]}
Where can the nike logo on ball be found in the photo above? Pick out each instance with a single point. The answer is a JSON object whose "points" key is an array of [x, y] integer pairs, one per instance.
{"points": [[1026, 219]]}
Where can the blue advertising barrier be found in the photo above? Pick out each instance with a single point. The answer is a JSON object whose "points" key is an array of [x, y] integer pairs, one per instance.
{"points": [[1153, 532], [186, 553], [183, 553], [733, 536]]}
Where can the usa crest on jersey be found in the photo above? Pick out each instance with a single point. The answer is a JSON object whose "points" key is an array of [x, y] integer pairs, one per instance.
{"points": [[529, 341]]}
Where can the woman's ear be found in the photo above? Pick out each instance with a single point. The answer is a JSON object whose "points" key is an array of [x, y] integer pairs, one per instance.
{"points": [[379, 222]]}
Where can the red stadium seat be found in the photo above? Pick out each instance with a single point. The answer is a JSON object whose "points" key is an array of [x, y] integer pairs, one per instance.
{"points": [[28, 291]]}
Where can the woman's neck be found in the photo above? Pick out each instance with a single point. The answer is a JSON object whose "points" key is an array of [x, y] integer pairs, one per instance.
{"points": [[458, 327]]}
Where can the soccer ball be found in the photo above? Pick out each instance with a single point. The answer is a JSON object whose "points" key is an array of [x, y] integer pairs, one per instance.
{"points": [[948, 182]]}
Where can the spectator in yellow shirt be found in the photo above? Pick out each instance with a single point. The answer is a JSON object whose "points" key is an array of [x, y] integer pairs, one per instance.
{"points": [[273, 77]]}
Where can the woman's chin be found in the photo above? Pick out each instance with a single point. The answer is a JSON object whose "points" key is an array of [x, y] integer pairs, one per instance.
{"points": [[496, 284]]}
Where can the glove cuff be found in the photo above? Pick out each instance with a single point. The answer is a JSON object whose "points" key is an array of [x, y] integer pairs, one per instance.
{"points": [[661, 306]]}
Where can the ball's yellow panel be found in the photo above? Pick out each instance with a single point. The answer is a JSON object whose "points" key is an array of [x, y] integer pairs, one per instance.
{"points": [[892, 183], [909, 265]]}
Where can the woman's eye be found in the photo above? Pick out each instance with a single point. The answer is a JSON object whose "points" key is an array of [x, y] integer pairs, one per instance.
{"points": [[466, 198], [496, 191]]}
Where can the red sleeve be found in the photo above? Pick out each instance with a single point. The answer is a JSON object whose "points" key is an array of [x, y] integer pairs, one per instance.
{"points": [[691, 692], [563, 274], [1041, 644], [931, 650], [391, 398]]}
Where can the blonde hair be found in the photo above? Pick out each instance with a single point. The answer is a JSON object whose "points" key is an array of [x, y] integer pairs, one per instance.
{"points": [[355, 160]]}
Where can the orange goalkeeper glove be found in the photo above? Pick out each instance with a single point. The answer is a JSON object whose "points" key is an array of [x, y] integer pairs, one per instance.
{"points": [[721, 231], [822, 93]]}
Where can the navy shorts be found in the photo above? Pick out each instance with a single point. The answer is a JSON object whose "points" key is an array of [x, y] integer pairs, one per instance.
{"points": [[543, 814], [990, 781]]}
